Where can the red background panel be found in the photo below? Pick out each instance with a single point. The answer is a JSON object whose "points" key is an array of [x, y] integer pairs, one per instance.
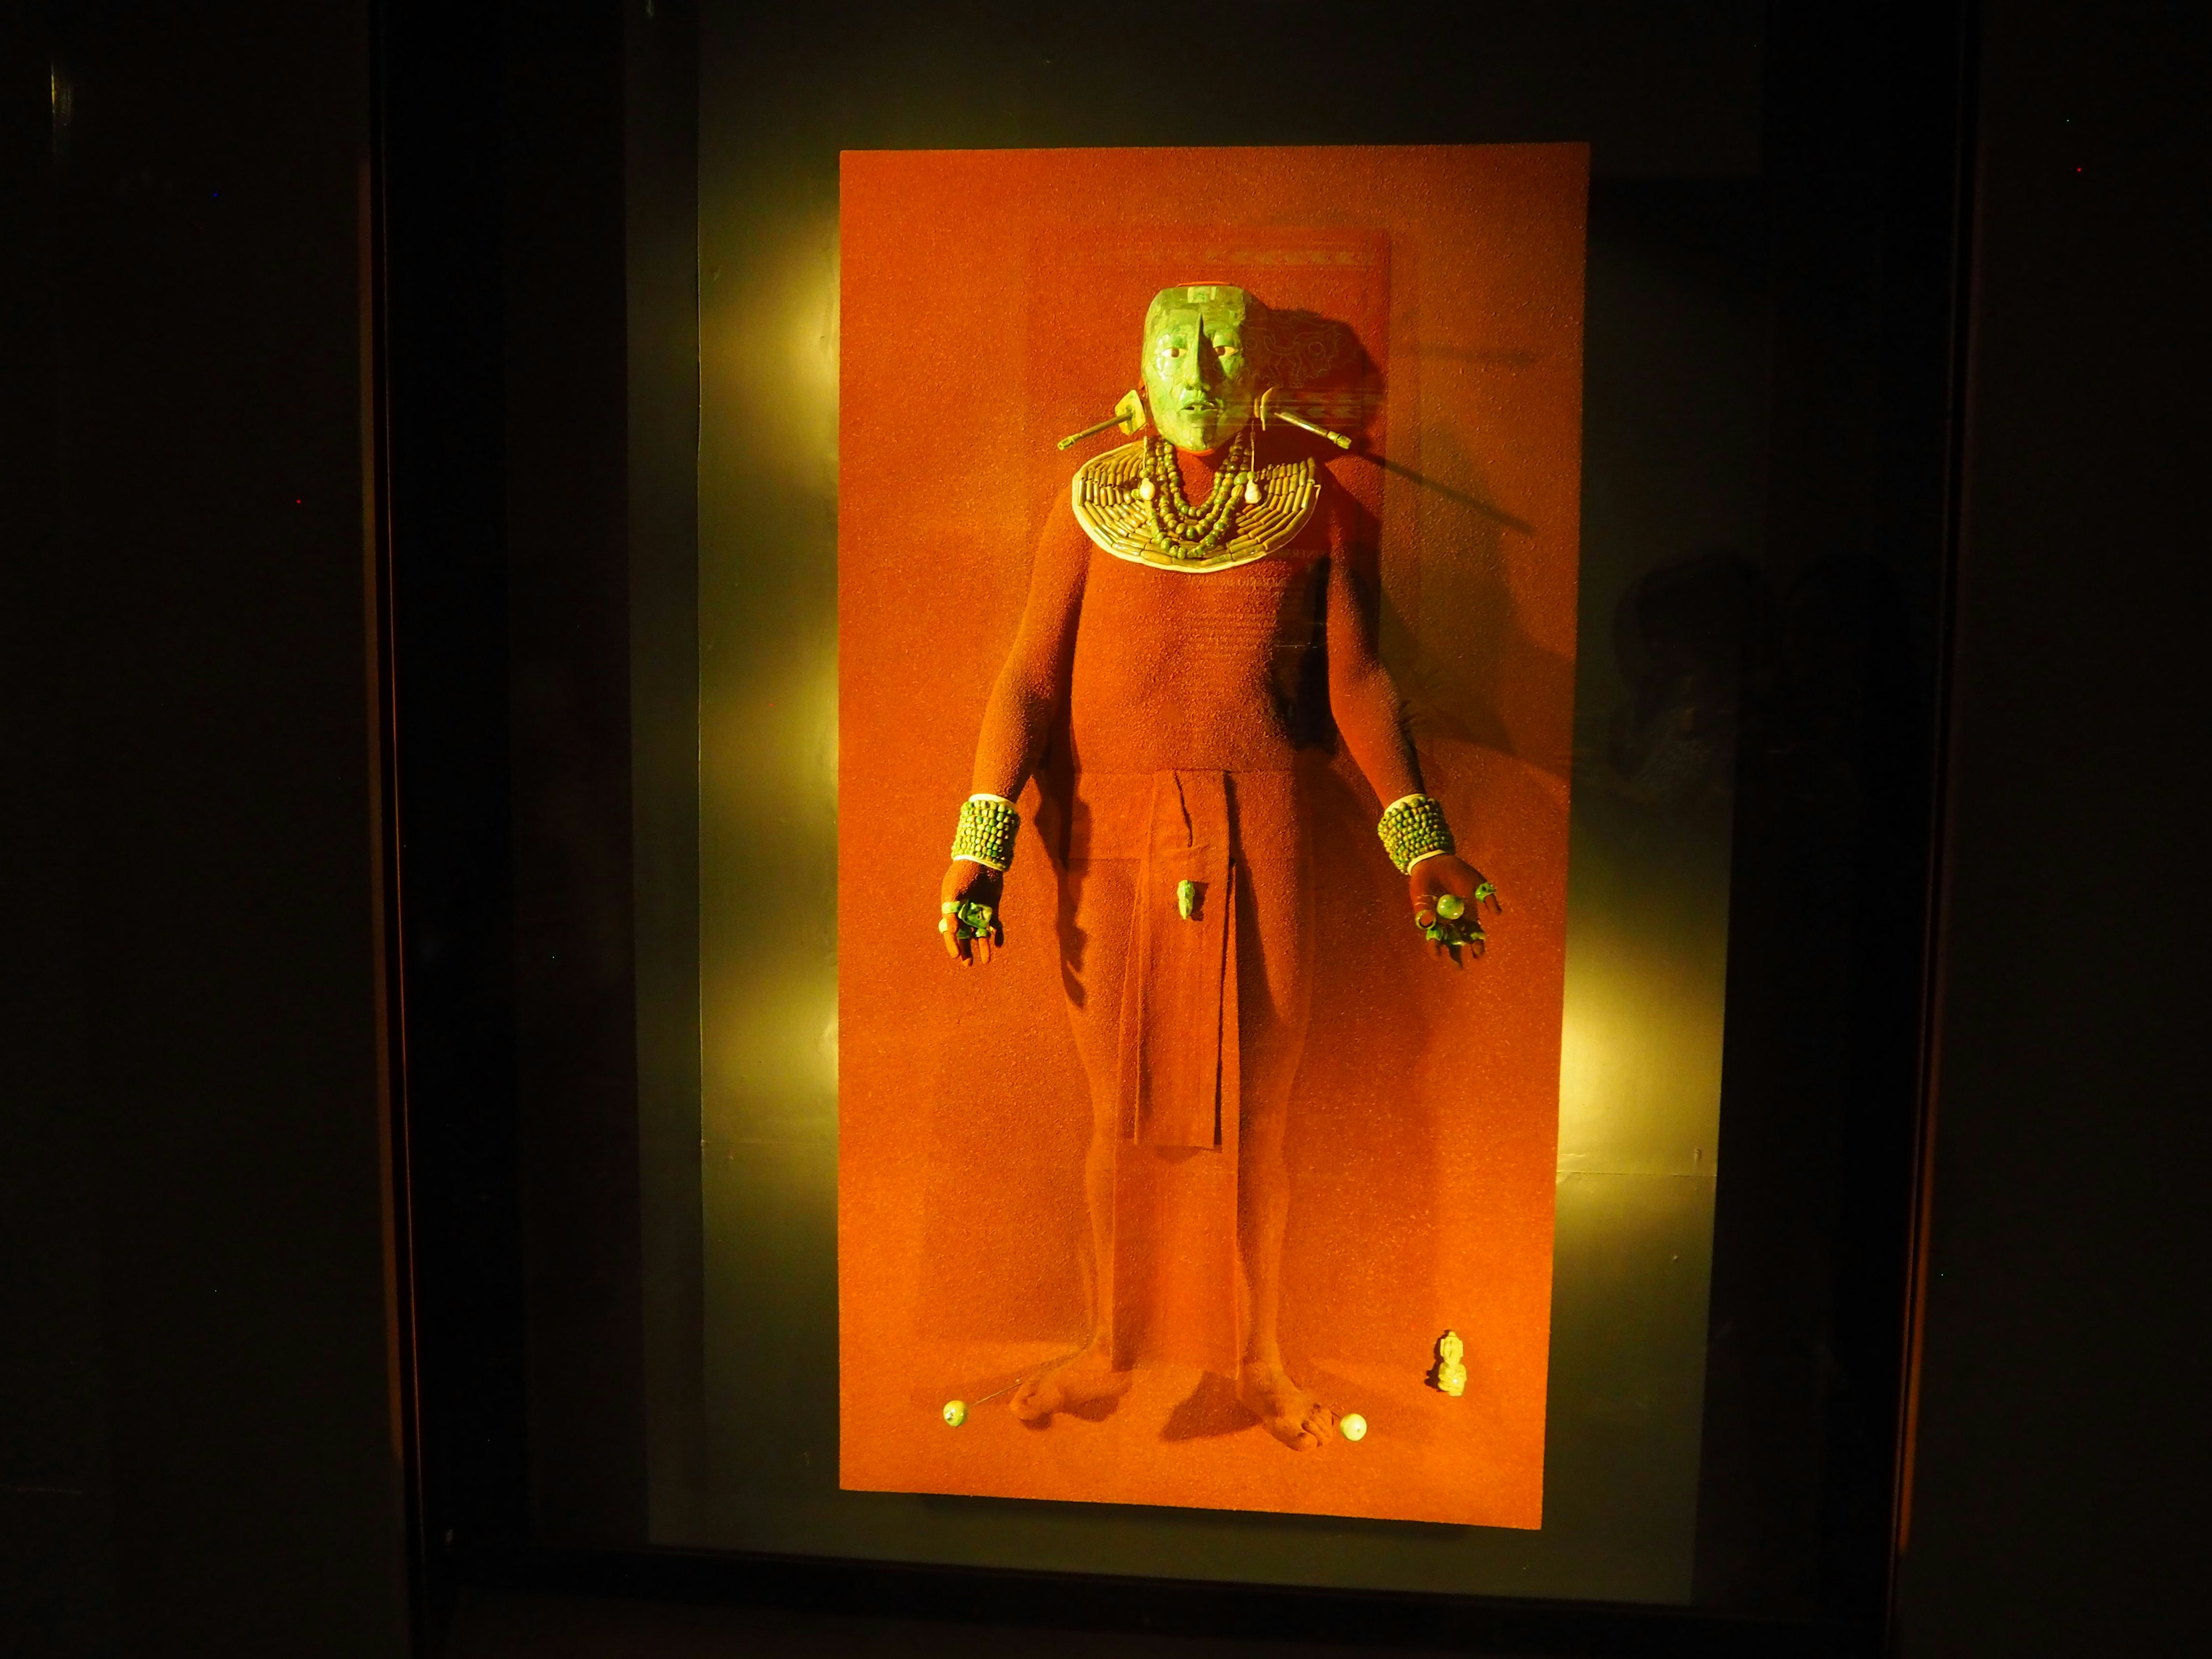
{"points": [[992, 302]]}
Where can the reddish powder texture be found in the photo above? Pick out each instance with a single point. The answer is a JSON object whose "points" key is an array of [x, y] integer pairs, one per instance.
{"points": [[992, 303]]}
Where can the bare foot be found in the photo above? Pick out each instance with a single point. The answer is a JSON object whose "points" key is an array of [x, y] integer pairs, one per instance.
{"points": [[1285, 1410], [1081, 1379]]}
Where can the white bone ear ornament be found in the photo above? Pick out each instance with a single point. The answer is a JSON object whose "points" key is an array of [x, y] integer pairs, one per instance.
{"points": [[1270, 411], [1129, 415]]}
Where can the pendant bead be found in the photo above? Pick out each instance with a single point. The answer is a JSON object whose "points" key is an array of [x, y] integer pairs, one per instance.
{"points": [[1181, 530]]}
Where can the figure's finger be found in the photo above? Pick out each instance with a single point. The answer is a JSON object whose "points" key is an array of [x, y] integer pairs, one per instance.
{"points": [[949, 931], [981, 945]]}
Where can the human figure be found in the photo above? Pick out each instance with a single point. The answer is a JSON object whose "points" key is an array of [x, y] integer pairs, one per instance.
{"points": [[1153, 689]]}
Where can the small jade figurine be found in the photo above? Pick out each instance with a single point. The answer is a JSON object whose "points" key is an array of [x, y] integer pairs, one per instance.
{"points": [[1451, 1371]]}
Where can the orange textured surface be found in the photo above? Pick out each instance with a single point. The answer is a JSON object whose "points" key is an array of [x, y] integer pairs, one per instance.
{"points": [[992, 303]]}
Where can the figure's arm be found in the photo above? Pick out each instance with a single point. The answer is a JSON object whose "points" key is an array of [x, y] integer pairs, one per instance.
{"points": [[1371, 716], [1362, 697], [1033, 681], [1018, 720]]}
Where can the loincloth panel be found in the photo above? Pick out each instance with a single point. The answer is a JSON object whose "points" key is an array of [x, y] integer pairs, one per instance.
{"points": [[1184, 1023]]}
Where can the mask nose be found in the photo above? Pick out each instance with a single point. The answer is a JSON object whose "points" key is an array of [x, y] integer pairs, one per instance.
{"points": [[1190, 372]]}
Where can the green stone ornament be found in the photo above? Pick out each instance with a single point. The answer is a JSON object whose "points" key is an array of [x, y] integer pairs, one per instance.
{"points": [[1412, 828], [1487, 891], [1451, 907], [986, 836], [1352, 1426], [1197, 376], [1454, 932], [956, 1412], [1187, 899]]}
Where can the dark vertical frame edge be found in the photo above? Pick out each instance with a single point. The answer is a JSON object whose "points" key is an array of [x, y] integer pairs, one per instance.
{"points": [[1958, 444], [424, 1588]]}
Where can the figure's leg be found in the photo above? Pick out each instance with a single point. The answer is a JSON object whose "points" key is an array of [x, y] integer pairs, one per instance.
{"points": [[1263, 1209], [1263, 1206], [1097, 900], [1274, 982]]}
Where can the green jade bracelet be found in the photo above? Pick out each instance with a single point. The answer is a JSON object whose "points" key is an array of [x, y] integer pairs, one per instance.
{"points": [[986, 836], [1413, 829]]}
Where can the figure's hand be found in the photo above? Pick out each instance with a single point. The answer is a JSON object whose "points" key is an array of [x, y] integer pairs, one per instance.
{"points": [[1449, 894], [968, 933]]}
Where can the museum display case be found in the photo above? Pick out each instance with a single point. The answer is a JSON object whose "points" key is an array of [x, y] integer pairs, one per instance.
{"points": [[1516, 451]]}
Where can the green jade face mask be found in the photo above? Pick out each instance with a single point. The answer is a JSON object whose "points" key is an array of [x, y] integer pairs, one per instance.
{"points": [[1196, 377]]}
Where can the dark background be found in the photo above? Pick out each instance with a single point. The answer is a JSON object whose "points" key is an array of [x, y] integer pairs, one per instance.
{"points": [[199, 1361]]}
